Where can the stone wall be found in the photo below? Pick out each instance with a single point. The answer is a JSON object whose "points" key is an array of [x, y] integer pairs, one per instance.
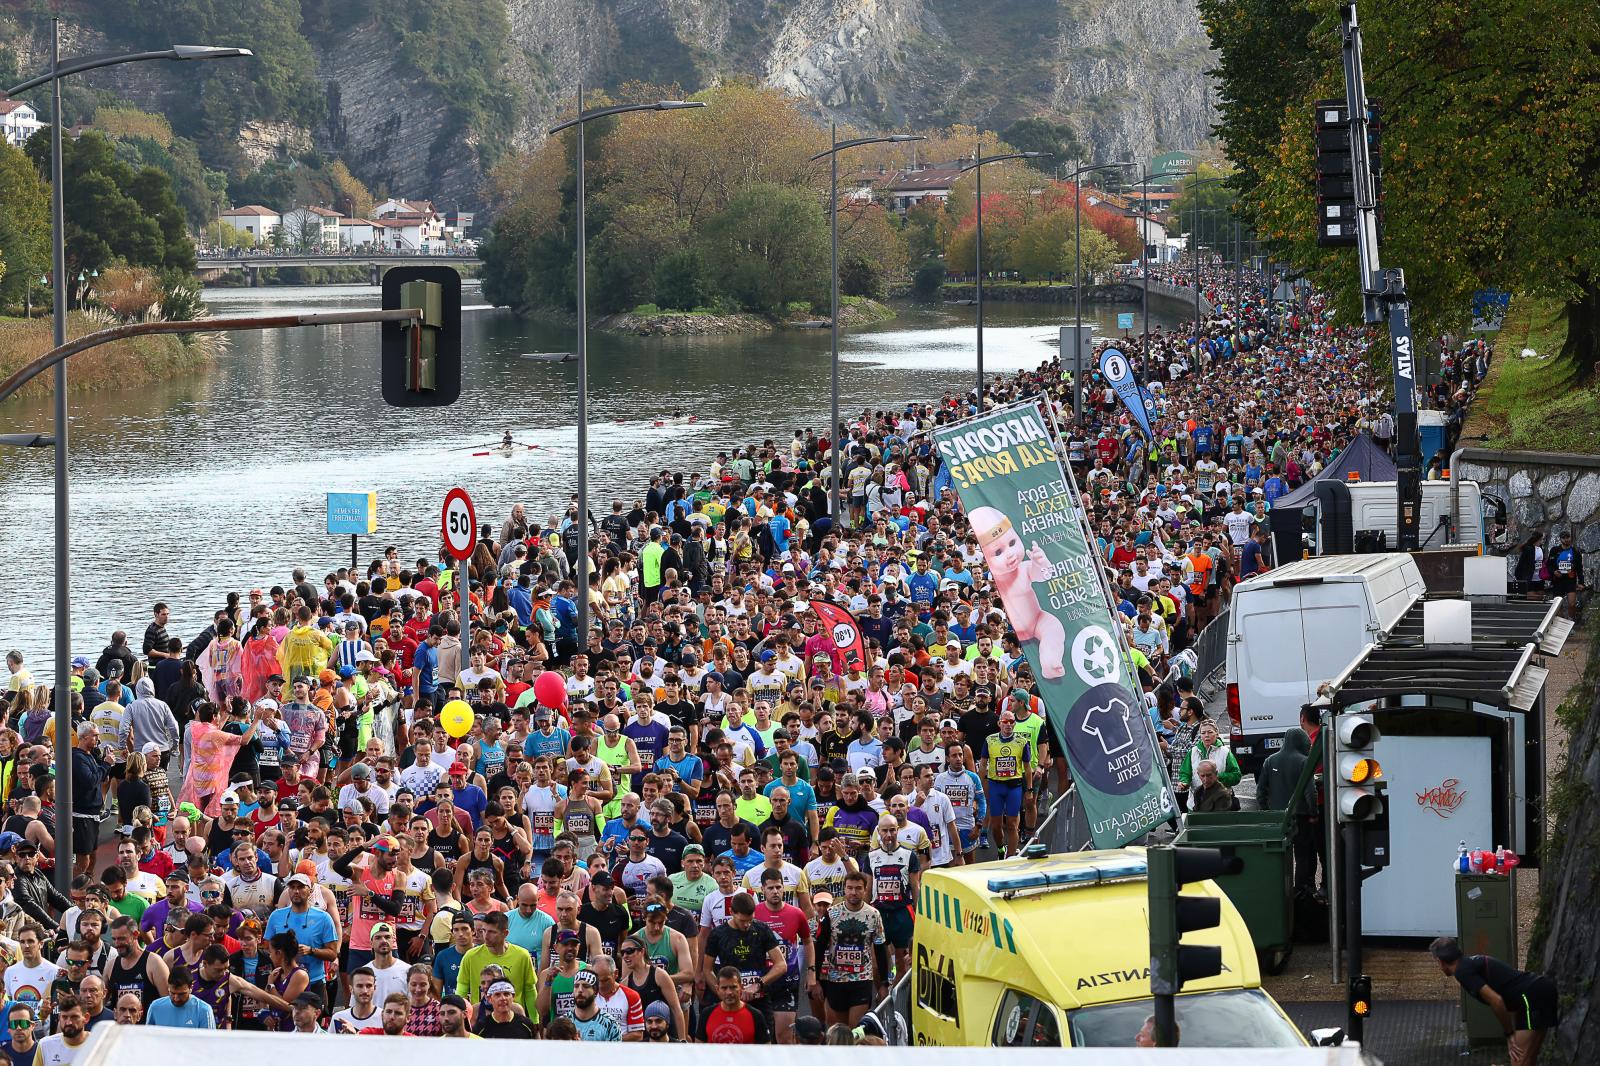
{"points": [[1547, 491]]}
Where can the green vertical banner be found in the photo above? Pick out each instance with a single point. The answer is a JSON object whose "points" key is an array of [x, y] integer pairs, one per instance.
{"points": [[1021, 508]]}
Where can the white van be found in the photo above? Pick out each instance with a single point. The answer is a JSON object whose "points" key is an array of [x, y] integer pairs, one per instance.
{"points": [[1293, 628], [1448, 517]]}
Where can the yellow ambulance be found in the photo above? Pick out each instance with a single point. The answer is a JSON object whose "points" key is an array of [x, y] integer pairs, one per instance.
{"points": [[1055, 952]]}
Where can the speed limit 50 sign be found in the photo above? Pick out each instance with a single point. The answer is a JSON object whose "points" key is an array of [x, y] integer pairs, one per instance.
{"points": [[458, 523]]}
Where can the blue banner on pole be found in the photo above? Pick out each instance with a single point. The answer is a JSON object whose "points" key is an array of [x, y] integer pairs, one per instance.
{"points": [[1125, 320], [1118, 372]]}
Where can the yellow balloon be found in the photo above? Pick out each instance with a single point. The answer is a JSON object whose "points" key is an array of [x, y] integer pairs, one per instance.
{"points": [[456, 717]]}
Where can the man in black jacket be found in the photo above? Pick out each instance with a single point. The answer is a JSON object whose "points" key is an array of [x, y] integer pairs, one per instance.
{"points": [[116, 652], [33, 891]]}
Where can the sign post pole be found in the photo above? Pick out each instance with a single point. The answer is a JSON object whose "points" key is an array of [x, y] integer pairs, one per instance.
{"points": [[354, 513], [459, 527], [353, 563]]}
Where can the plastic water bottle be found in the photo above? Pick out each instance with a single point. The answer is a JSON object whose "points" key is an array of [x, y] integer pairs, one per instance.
{"points": [[1463, 860]]}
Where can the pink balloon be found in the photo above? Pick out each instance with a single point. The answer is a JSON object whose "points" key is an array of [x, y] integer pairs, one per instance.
{"points": [[550, 690]]}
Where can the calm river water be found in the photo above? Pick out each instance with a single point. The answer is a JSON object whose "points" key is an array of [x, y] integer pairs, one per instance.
{"points": [[184, 490]]}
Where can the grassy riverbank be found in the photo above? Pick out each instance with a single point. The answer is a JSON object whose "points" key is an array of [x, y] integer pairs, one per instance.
{"points": [[121, 364], [1533, 403]]}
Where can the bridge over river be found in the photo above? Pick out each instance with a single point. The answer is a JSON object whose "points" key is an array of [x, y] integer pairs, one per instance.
{"points": [[211, 267]]}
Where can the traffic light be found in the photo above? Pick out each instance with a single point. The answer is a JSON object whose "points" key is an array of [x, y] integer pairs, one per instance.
{"points": [[1173, 914], [1361, 996], [422, 359], [1360, 794], [1336, 183]]}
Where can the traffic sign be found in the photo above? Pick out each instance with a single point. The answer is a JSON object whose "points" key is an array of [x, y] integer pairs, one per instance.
{"points": [[459, 523]]}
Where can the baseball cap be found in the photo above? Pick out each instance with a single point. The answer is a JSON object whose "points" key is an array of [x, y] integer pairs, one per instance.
{"points": [[688, 849], [360, 770], [150, 748], [566, 936], [603, 879], [377, 930], [458, 768], [298, 878], [10, 840], [177, 873], [385, 843], [347, 671], [326, 676], [79, 662], [308, 999], [807, 1028], [948, 723], [821, 898]]}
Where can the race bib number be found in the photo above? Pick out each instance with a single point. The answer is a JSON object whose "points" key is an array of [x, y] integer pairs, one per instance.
{"points": [[544, 823], [850, 959], [647, 759], [934, 837], [751, 982], [888, 889], [1005, 766]]}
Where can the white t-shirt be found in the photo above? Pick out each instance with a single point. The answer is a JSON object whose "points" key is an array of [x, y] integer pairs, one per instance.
{"points": [[1239, 523], [940, 812], [391, 978], [30, 984], [348, 1017]]}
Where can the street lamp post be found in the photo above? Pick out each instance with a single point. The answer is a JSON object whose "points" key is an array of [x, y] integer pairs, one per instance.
{"points": [[584, 118], [1077, 263], [979, 160], [1144, 258], [1194, 254], [835, 146], [63, 629]]}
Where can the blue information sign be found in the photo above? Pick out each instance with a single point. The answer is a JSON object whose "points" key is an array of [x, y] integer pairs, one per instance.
{"points": [[1125, 320], [352, 513]]}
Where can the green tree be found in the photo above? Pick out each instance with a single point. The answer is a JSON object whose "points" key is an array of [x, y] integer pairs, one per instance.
{"points": [[680, 281], [1491, 162], [859, 276], [768, 247], [1040, 134], [24, 225], [928, 280]]}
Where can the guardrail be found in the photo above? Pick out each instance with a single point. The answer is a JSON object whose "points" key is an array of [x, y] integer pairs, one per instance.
{"points": [[1211, 651]]}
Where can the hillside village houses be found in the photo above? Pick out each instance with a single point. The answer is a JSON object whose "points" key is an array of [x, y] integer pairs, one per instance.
{"points": [[396, 225]]}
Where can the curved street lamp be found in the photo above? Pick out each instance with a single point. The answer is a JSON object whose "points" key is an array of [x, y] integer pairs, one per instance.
{"points": [[1194, 253], [1144, 258], [1077, 264], [832, 154], [63, 628], [978, 163], [582, 119]]}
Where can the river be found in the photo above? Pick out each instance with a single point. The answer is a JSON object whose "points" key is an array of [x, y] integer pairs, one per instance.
{"points": [[186, 489]]}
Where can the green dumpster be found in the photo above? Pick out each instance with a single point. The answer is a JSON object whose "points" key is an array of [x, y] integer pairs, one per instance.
{"points": [[1486, 924], [1263, 889]]}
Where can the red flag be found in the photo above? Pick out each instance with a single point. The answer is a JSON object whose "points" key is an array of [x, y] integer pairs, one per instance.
{"points": [[841, 626]]}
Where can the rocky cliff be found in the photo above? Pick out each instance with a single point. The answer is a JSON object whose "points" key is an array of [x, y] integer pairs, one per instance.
{"points": [[1127, 75]]}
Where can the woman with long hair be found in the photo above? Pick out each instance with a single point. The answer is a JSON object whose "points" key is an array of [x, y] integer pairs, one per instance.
{"points": [[285, 980], [258, 660]]}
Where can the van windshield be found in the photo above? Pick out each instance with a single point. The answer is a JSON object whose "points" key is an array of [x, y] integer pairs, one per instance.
{"points": [[1235, 1018]]}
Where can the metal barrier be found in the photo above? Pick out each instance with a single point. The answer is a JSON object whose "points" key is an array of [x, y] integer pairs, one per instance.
{"points": [[892, 1014], [1211, 651]]}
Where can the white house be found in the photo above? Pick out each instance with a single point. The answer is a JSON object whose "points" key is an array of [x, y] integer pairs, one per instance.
{"points": [[397, 234], [312, 228], [397, 206], [356, 233], [255, 220], [18, 122]]}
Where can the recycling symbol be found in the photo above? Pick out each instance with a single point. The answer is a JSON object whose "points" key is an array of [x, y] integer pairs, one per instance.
{"points": [[1094, 655]]}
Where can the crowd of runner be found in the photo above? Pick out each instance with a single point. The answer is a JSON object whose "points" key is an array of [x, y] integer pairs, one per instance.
{"points": [[695, 821]]}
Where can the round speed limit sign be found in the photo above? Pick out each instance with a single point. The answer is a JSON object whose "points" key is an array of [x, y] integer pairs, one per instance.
{"points": [[458, 522]]}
